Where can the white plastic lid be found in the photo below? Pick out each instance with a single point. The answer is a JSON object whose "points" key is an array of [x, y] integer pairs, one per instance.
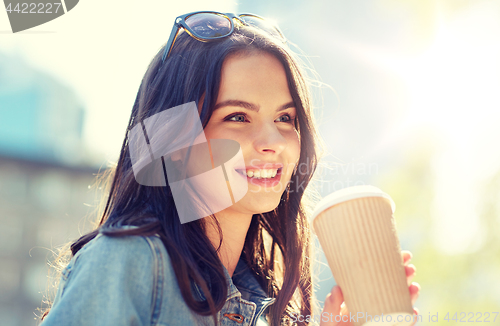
{"points": [[350, 193]]}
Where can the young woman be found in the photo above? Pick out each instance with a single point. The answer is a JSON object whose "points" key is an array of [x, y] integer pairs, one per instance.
{"points": [[247, 264]]}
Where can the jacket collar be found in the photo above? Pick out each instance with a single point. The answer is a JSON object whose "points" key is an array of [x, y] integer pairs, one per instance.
{"points": [[243, 284]]}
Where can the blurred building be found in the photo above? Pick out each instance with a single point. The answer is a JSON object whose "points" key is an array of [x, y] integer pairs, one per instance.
{"points": [[45, 174]]}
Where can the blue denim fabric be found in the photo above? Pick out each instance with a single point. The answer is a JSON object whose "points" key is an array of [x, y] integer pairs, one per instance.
{"points": [[130, 281]]}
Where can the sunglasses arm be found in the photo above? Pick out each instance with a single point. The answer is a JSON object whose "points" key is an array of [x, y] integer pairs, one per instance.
{"points": [[171, 40]]}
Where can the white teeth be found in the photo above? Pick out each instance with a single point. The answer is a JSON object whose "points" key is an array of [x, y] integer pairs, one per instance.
{"points": [[264, 173]]}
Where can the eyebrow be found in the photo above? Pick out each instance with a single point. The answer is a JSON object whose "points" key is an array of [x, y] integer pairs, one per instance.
{"points": [[250, 106]]}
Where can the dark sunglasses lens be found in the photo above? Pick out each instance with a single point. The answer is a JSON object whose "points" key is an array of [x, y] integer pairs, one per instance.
{"points": [[262, 24], [208, 25]]}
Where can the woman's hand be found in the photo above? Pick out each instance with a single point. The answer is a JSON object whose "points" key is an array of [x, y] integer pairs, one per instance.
{"points": [[335, 306]]}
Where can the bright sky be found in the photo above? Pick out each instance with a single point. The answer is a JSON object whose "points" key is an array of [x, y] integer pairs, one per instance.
{"points": [[101, 49], [454, 90], [454, 87]]}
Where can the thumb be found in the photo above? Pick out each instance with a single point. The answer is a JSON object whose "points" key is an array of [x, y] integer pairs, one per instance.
{"points": [[333, 301]]}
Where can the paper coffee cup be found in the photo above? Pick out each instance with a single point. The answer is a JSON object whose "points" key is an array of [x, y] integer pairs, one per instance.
{"points": [[356, 229]]}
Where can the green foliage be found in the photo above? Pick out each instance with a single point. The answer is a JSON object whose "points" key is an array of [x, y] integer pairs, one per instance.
{"points": [[462, 283]]}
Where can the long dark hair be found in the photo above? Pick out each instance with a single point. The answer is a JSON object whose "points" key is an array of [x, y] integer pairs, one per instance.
{"points": [[193, 72]]}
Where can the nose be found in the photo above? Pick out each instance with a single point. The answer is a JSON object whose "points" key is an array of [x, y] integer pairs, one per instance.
{"points": [[269, 139]]}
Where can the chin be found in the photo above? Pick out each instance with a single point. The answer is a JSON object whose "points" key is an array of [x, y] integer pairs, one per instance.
{"points": [[263, 205]]}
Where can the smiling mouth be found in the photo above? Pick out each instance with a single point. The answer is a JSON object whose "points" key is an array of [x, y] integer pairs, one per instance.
{"points": [[260, 173]]}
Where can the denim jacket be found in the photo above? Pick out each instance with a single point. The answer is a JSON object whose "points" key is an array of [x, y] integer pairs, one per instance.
{"points": [[130, 281]]}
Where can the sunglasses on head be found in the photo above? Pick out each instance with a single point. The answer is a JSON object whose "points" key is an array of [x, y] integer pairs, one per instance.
{"points": [[206, 26]]}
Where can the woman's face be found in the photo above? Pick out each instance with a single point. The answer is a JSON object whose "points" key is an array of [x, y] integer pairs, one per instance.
{"points": [[254, 107]]}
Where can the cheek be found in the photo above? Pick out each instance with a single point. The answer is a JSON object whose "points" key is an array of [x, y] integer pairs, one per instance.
{"points": [[220, 133]]}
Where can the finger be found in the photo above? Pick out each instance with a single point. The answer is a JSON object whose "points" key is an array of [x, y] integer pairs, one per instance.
{"points": [[411, 271], [415, 316], [333, 301], [414, 292], [407, 256], [343, 309]]}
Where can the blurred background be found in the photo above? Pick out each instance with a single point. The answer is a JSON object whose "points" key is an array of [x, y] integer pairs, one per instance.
{"points": [[407, 99]]}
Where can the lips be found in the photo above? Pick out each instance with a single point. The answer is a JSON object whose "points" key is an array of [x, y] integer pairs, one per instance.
{"points": [[260, 177], [260, 173]]}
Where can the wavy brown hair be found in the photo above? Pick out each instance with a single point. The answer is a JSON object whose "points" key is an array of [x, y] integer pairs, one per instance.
{"points": [[278, 244]]}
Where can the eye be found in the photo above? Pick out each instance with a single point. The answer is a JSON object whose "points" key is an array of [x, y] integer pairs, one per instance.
{"points": [[238, 117], [285, 118]]}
